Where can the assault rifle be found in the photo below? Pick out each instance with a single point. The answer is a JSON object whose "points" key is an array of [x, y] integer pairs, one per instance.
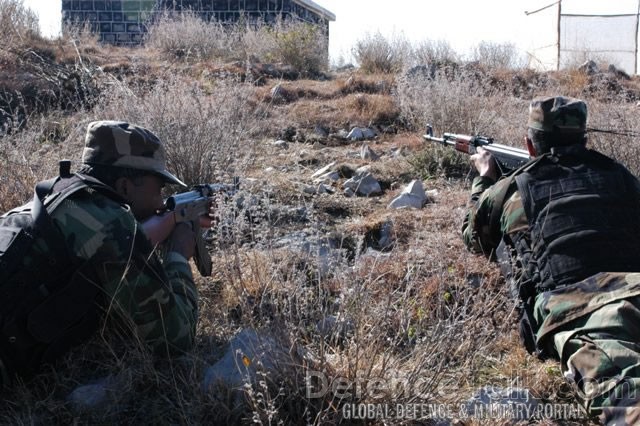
{"points": [[506, 157], [189, 207]]}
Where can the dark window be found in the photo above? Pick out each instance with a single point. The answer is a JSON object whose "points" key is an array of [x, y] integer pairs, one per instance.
{"points": [[105, 27], [66, 4], [109, 38], [86, 5], [251, 5], [105, 16], [118, 28], [91, 16], [220, 5], [235, 4], [116, 5], [133, 28], [118, 16], [98, 5], [132, 17]]}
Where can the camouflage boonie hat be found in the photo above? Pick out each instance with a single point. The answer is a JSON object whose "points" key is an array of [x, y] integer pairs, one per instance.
{"points": [[120, 144], [558, 114]]}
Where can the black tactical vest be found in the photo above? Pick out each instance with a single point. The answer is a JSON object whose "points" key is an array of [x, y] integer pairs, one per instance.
{"points": [[583, 213]]}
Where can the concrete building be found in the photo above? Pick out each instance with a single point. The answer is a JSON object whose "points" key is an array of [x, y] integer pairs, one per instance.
{"points": [[124, 22]]}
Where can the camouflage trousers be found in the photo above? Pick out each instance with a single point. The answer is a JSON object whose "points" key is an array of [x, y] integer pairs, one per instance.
{"points": [[600, 357]]}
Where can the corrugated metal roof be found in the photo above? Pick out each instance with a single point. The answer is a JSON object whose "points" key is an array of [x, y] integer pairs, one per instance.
{"points": [[316, 8]]}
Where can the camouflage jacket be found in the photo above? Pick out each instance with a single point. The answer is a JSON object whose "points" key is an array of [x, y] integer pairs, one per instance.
{"points": [[154, 300], [554, 310]]}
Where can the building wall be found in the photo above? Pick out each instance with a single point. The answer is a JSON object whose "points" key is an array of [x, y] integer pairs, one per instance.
{"points": [[124, 22]]}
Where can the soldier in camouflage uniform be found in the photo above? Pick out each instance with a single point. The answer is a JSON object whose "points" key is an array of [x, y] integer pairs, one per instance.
{"points": [[152, 299], [557, 225]]}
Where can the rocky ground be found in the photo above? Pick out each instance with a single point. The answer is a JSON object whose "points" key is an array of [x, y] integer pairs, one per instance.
{"points": [[340, 257]]}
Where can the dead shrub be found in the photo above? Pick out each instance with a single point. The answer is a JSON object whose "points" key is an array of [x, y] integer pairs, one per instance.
{"points": [[368, 83], [375, 109], [618, 118], [207, 133], [302, 45], [376, 53], [434, 52], [497, 55], [20, 24], [188, 37]]}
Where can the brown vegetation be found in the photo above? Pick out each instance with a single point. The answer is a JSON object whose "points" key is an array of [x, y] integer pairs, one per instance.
{"points": [[424, 310]]}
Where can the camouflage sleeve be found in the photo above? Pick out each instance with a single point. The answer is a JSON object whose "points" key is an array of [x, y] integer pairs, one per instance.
{"points": [[478, 234], [154, 301]]}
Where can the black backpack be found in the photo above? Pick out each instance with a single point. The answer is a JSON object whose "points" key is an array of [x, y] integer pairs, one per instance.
{"points": [[46, 305]]}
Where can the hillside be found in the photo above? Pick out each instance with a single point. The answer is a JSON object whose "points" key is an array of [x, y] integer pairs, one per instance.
{"points": [[372, 304]]}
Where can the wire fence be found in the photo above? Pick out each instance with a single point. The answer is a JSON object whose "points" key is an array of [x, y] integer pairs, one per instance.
{"points": [[564, 40]]}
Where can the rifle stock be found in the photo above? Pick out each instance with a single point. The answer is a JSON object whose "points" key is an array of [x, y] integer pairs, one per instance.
{"points": [[507, 157]]}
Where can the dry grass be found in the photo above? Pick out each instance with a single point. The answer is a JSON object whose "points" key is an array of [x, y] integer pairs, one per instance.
{"points": [[425, 314]]}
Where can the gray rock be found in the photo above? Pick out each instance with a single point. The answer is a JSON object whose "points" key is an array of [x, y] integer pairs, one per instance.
{"points": [[348, 192], [321, 131], [320, 189], [247, 353], [366, 153], [618, 72], [324, 189], [413, 196], [589, 67], [311, 190], [281, 144], [427, 72], [363, 184], [93, 396], [361, 133]]}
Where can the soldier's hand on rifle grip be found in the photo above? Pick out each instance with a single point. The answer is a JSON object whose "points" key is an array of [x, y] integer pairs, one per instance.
{"points": [[485, 163], [207, 221], [183, 240]]}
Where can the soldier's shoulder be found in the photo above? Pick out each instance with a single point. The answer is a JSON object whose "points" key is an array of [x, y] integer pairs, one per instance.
{"points": [[93, 210]]}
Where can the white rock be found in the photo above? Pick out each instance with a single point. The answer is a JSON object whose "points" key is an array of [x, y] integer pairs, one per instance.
{"points": [[412, 196], [281, 144], [361, 133], [324, 170]]}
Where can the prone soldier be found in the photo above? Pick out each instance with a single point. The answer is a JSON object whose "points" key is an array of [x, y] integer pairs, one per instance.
{"points": [[565, 228]]}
